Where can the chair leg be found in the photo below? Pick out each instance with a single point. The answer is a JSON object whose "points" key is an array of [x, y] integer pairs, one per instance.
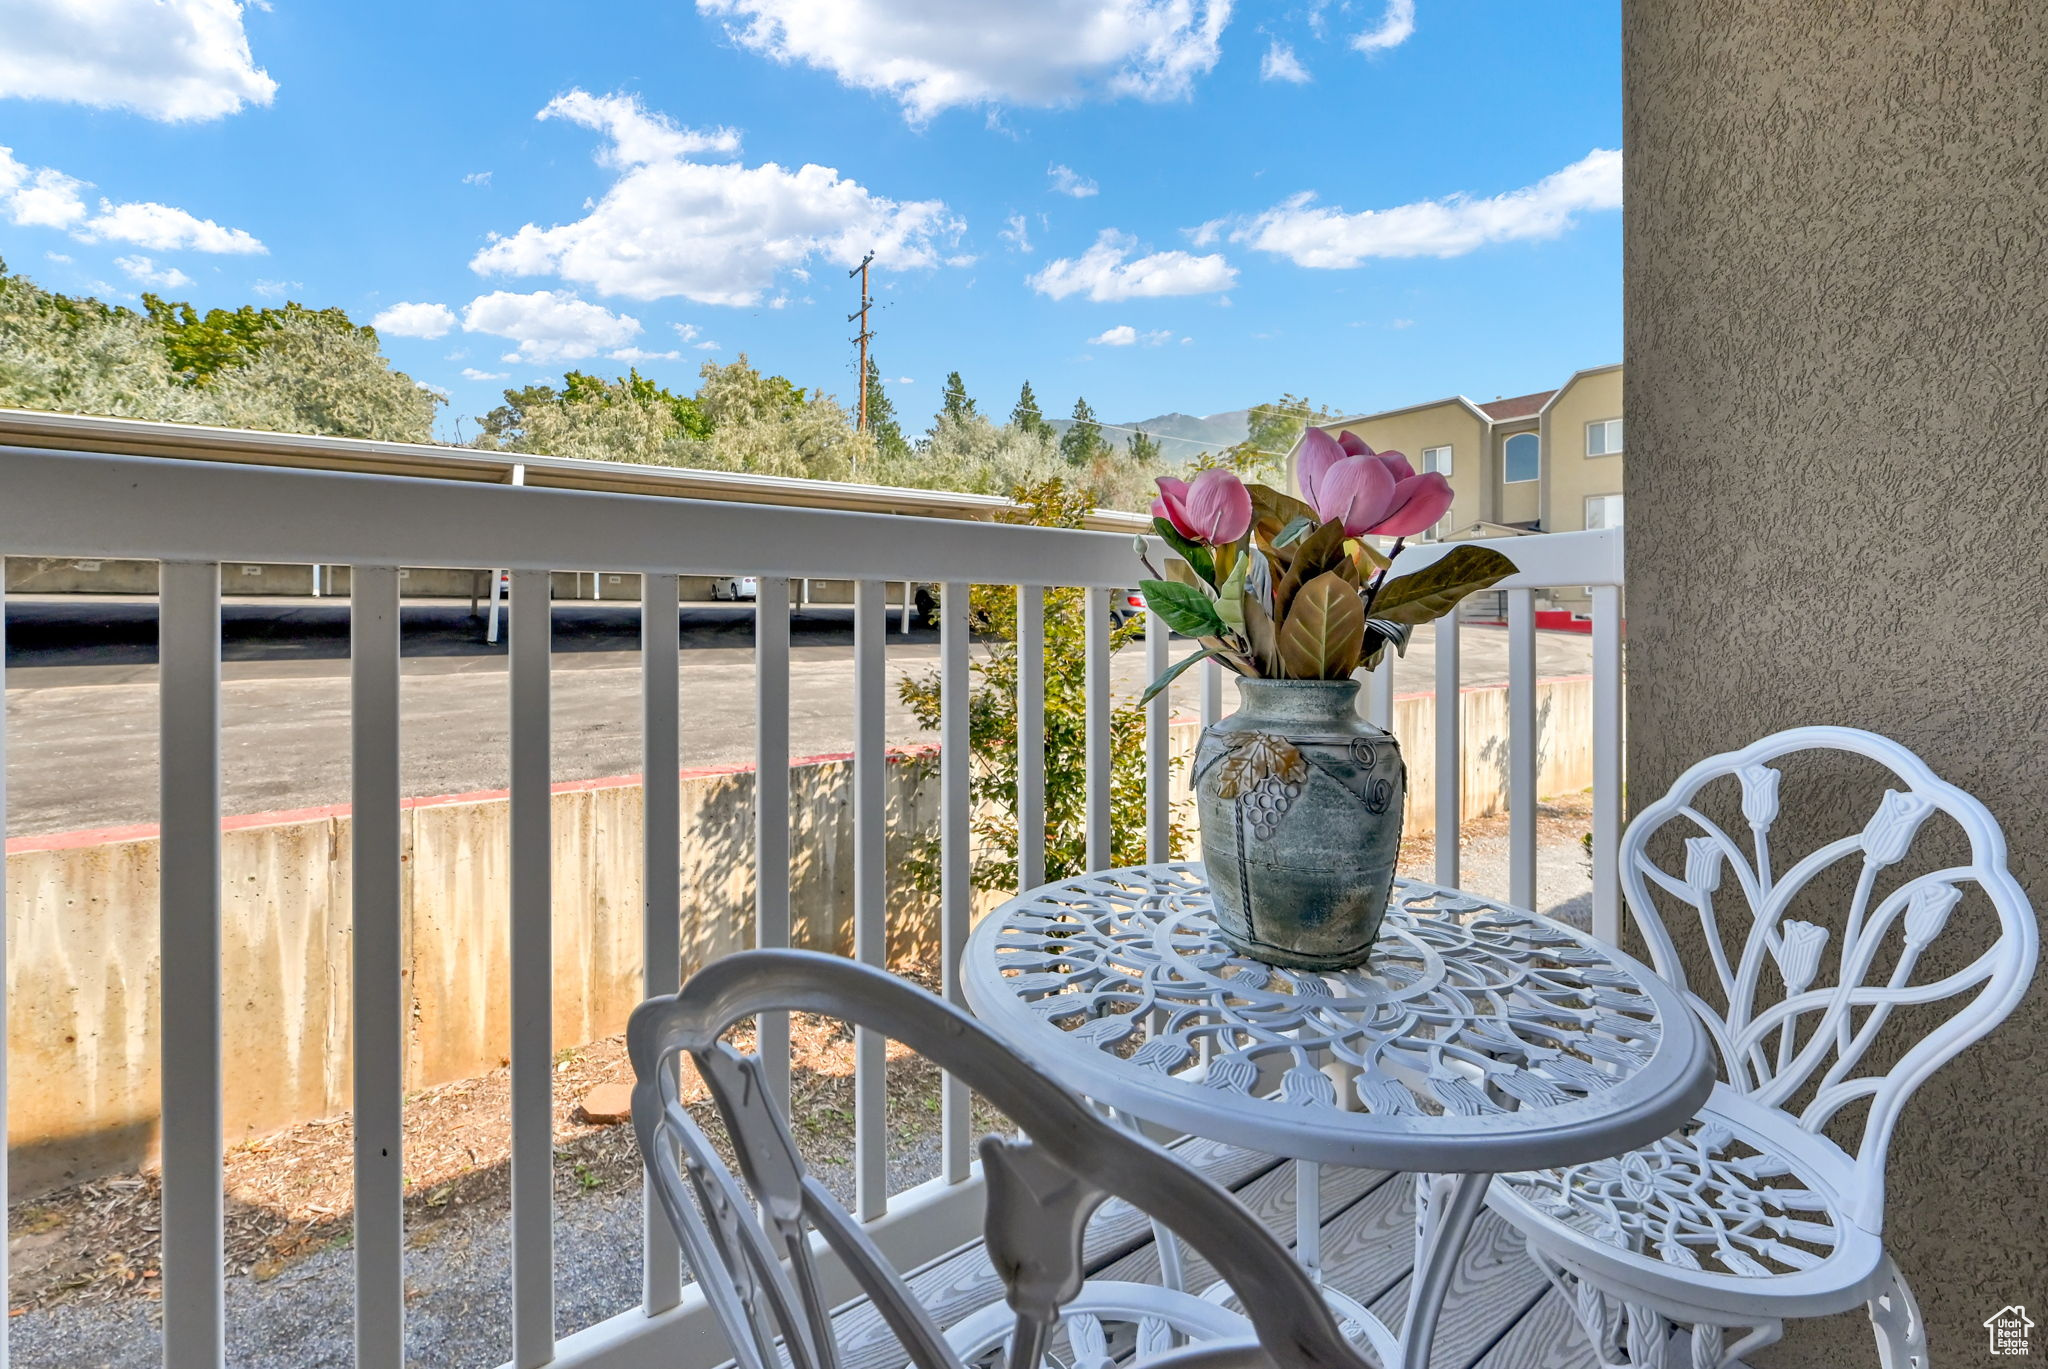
{"points": [[1634, 1335], [1895, 1317]]}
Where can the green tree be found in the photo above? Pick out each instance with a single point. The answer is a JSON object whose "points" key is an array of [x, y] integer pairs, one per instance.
{"points": [[992, 725], [1271, 433], [1026, 416], [204, 345], [955, 402], [1081, 445], [882, 426], [1144, 449]]}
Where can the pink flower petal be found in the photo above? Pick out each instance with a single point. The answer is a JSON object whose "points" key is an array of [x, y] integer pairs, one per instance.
{"points": [[1396, 464], [1356, 492], [1317, 452], [1219, 505], [1416, 505], [1172, 505], [1353, 445]]}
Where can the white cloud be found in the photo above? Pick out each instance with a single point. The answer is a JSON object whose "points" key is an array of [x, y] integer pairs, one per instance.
{"points": [[1394, 29], [1313, 235], [1280, 64], [437, 391], [39, 197], [1067, 181], [58, 257], [415, 320], [477, 178], [638, 354], [716, 233], [145, 271], [1124, 335], [162, 228], [1049, 52], [276, 289], [1107, 273], [903, 380], [707, 346], [1017, 234], [164, 59], [549, 325], [472, 373]]}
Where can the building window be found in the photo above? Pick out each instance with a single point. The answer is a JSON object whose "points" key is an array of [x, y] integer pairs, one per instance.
{"points": [[1603, 511], [1521, 459], [1437, 459], [1604, 438]]}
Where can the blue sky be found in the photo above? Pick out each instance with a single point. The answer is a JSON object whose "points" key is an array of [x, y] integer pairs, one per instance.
{"points": [[1365, 202]]}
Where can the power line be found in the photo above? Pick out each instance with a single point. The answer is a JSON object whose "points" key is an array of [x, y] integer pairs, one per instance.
{"points": [[865, 335]]}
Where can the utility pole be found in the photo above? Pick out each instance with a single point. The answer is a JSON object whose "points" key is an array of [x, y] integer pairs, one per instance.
{"points": [[865, 336]]}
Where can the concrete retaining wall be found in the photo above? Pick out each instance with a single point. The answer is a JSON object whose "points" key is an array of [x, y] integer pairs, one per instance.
{"points": [[83, 929]]}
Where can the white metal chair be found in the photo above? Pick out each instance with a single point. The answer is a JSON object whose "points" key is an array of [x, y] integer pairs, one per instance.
{"points": [[752, 1252], [1770, 1204]]}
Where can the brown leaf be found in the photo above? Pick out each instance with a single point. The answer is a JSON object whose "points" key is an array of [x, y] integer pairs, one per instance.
{"points": [[1256, 756], [1272, 511], [1264, 638], [1427, 594], [1316, 553], [1324, 631], [1179, 571]]}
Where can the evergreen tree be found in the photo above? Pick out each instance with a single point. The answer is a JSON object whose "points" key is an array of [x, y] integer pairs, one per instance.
{"points": [[955, 403], [1144, 449], [1082, 442], [882, 425], [1026, 417]]}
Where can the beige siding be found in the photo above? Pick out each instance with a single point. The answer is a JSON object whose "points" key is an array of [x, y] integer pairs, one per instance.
{"points": [[1449, 424], [1570, 476], [1520, 502]]}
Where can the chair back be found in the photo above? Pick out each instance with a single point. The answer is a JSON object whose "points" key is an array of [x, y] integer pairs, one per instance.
{"points": [[1795, 1006], [751, 1249]]}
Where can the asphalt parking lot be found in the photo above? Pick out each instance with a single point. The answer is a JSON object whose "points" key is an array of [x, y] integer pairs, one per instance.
{"points": [[82, 707]]}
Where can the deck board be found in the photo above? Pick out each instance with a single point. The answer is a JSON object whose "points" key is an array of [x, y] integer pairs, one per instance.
{"points": [[1501, 1312]]}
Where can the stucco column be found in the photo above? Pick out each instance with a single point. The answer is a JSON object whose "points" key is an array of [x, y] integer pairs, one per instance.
{"points": [[1837, 399]]}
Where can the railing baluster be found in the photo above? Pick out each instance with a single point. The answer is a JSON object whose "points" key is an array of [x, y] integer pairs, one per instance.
{"points": [[870, 888], [1379, 693], [1212, 692], [955, 871], [660, 888], [1158, 755], [5, 1006], [378, 991], [1030, 736], [771, 807], [1523, 747], [532, 998], [1450, 756], [188, 635], [1607, 744], [1095, 635]]}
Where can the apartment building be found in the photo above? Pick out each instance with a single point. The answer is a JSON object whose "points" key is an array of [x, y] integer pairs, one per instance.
{"points": [[1543, 462]]}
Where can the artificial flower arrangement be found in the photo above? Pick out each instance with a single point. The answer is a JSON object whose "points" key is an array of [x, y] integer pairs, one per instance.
{"points": [[1279, 588]]}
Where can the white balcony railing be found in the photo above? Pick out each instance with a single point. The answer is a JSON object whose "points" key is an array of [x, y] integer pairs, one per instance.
{"points": [[193, 515]]}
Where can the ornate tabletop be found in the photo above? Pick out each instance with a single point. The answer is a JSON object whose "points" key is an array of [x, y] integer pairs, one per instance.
{"points": [[1479, 1038]]}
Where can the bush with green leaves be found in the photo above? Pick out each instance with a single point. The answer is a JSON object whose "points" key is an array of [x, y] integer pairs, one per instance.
{"points": [[992, 726]]}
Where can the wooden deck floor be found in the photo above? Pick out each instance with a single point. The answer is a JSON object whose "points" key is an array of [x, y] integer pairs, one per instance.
{"points": [[1501, 1313]]}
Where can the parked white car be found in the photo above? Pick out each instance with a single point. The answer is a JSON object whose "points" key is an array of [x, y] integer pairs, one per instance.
{"points": [[733, 587]]}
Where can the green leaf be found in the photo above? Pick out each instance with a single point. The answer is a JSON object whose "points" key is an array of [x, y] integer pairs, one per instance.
{"points": [[1325, 630], [1194, 553], [1230, 594], [1173, 672], [1184, 608], [1435, 590], [1379, 632], [1298, 528]]}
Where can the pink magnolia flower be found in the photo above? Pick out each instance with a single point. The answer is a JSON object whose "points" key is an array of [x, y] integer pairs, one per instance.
{"points": [[1374, 494], [1213, 509]]}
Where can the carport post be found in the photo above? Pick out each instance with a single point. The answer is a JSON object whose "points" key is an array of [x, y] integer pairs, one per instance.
{"points": [[903, 625], [498, 573]]}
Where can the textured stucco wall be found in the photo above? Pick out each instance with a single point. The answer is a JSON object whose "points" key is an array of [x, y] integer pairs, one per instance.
{"points": [[1837, 220]]}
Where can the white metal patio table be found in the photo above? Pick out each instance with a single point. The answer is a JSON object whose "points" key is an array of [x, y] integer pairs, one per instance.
{"points": [[1480, 1038]]}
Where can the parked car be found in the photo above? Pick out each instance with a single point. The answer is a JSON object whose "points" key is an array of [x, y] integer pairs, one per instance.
{"points": [[729, 588]]}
